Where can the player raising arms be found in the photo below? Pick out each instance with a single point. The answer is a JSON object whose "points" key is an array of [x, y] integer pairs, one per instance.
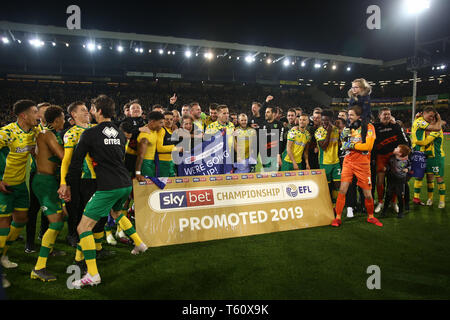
{"points": [[356, 162]]}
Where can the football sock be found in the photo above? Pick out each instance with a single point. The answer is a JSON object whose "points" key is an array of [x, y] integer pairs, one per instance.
{"points": [[3, 236], [14, 232], [441, 186], [340, 204], [79, 256], [369, 207], [48, 240], [417, 187], [98, 236], [430, 189], [87, 243], [127, 227], [380, 192]]}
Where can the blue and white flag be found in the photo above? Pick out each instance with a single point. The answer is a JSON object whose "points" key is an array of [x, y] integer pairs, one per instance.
{"points": [[212, 156]]}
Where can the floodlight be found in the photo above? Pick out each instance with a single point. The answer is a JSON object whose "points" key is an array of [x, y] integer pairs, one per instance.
{"points": [[349, 68], [317, 65], [416, 6], [303, 64], [119, 48], [248, 59], [5, 40], [91, 46], [99, 47], [161, 51], [286, 62], [188, 53], [269, 61], [36, 43]]}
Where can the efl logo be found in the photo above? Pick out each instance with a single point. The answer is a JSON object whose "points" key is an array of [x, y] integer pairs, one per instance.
{"points": [[291, 190], [183, 199]]}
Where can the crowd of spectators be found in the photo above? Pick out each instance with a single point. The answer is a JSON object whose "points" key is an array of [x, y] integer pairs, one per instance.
{"points": [[238, 97]]}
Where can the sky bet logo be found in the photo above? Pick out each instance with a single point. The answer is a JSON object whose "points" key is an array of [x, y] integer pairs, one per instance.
{"points": [[186, 199]]}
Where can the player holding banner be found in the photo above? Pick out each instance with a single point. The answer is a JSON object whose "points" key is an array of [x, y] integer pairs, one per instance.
{"points": [[356, 162]]}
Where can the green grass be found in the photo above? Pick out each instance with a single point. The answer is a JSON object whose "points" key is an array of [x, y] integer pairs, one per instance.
{"points": [[317, 263]]}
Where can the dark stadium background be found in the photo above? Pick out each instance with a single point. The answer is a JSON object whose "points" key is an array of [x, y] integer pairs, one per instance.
{"points": [[314, 263]]}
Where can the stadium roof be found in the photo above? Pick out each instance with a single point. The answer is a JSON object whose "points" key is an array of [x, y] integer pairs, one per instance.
{"points": [[194, 44]]}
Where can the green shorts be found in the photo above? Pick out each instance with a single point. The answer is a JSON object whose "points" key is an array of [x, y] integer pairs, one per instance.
{"points": [[436, 166], [102, 202], [166, 169], [333, 171], [289, 166], [17, 200], [45, 187], [148, 168]]}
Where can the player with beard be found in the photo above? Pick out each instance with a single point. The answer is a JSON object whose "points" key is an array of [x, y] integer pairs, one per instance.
{"points": [[273, 131]]}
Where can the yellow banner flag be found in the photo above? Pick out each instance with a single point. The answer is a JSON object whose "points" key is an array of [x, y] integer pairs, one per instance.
{"points": [[201, 208]]}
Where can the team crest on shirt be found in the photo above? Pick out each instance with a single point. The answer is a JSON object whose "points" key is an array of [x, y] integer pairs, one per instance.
{"points": [[110, 132]]}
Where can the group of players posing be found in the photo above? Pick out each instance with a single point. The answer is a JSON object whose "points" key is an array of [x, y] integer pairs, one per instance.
{"points": [[83, 151], [93, 172]]}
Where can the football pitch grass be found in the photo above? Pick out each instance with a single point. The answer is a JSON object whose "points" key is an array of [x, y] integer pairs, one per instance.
{"points": [[413, 255]]}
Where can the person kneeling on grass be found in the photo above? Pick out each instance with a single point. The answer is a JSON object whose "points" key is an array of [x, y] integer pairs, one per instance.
{"points": [[106, 145]]}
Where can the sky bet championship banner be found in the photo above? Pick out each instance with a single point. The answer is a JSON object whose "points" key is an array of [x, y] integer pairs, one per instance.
{"points": [[201, 208]]}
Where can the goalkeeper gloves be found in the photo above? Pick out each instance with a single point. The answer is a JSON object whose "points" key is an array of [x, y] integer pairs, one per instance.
{"points": [[348, 146]]}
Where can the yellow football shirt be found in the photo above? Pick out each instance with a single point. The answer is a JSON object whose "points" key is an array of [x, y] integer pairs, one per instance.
{"points": [[418, 133], [71, 139], [15, 145], [299, 138], [330, 154]]}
